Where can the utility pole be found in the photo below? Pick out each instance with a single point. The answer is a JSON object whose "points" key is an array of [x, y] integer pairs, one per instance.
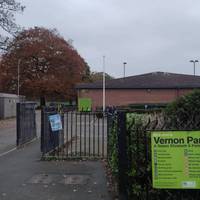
{"points": [[194, 64], [104, 85], [124, 69], [18, 76]]}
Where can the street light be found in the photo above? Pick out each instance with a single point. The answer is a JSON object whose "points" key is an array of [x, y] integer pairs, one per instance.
{"points": [[104, 85], [124, 69], [194, 63], [18, 76]]}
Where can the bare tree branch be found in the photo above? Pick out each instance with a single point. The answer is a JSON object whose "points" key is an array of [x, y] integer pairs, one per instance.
{"points": [[8, 8]]}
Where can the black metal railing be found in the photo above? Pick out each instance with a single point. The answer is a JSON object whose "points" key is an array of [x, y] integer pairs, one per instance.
{"points": [[84, 134], [26, 123], [129, 157]]}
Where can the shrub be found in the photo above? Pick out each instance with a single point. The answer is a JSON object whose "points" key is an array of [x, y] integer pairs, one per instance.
{"points": [[184, 113]]}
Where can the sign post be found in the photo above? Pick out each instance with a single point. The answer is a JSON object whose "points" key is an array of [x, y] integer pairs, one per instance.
{"points": [[176, 159]]}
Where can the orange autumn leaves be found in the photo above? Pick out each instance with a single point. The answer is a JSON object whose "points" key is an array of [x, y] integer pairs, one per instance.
{"points": [[49, 65]]}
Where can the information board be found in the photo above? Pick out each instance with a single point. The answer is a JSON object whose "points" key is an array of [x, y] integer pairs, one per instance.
{"points": [[55, 122], [176, 159]]}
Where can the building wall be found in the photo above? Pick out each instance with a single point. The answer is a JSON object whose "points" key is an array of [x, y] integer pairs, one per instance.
{"points": [[8, 106], [120, 97]]}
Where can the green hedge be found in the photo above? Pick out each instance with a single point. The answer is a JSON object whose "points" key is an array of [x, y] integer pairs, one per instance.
{"points": [[140, 180]]}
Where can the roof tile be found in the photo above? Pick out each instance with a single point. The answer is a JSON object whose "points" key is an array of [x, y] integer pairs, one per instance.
{"points": [[154, 80]]}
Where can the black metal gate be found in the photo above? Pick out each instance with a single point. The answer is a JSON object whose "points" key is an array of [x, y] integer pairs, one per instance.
{"points": [[26, 123], [84, 135], [50, 141]]}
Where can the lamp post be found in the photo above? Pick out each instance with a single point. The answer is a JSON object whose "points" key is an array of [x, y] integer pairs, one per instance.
{"points": [[124, 69], [18, 76], [104, 85], [194, 63]]}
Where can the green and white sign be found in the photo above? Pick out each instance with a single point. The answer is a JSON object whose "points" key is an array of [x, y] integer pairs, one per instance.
{"points": [[84, 104], [176, 159]]}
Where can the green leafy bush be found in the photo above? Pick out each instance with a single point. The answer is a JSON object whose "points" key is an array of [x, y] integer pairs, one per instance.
{"points": [[112, 145], [184, 113]]}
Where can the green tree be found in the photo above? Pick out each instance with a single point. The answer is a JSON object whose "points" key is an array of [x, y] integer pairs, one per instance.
{"points": [[184, 112]]}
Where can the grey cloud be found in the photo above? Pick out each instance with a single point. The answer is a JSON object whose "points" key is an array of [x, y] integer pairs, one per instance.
{"points": [[148, 34]]}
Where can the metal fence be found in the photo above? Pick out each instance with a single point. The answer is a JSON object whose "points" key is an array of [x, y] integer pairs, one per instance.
{"points": [[26, 123], [130, 159], [84, 135], [125, 144]]}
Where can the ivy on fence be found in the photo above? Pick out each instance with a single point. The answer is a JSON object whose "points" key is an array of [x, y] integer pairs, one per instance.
{"points": [[138, 131]]}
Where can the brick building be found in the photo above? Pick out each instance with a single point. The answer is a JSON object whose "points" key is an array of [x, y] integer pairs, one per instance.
{"points": [[151, 88]]}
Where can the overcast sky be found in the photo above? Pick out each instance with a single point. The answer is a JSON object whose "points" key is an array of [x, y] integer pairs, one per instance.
{"points": [[150, 35]]}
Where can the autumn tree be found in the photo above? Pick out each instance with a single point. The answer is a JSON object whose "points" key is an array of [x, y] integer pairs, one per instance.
{"points": [[7, 20], [49, 66]]}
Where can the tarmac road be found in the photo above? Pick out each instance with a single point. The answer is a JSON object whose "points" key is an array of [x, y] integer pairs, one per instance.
{"points": [[25, 177], [8, 133]]}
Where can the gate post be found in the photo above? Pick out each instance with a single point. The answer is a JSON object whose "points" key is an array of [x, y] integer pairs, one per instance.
{"points": [[18, 118], [42, 130], [122, 156], [50, 140]]}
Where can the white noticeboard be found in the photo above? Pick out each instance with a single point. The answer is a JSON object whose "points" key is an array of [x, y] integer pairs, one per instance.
{"points": [[55, 122]]}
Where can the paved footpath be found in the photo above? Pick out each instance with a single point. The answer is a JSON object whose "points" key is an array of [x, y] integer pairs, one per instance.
{"points": [[8, 133], [24, 177]]}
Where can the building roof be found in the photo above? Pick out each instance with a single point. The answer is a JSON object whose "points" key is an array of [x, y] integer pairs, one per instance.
{"points": [[5, 95], [154, 80]]}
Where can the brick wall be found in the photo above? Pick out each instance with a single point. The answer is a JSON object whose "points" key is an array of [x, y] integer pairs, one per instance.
{"points": [[119, 97]]}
